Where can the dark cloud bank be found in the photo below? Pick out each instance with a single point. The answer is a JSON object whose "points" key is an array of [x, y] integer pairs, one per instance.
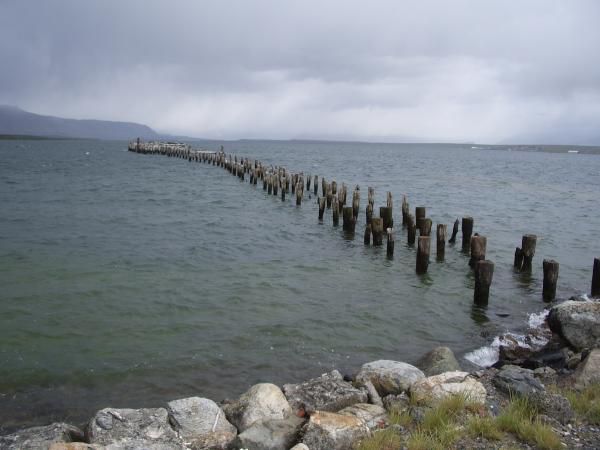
{"points": [[485, 71]]}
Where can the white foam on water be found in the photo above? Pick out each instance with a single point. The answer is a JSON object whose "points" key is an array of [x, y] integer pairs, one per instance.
{"points": [[488, 355]]}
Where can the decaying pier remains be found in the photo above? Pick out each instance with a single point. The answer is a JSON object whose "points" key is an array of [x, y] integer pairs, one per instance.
{"points": [[277, 179]]}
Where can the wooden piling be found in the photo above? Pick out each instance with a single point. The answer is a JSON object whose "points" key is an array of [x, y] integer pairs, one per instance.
{"points": [[370, 196], [349, 220], [426, 227], [299, 193], [596, 278], [405, 211], [367, 238], [275, 184], [467, 231], [423, 250], [316, 184], [411, 229], [321, 207], [355, 202], [323, 186], [377, 230], [336, 211], [389, 202], [390, 242], [369, 213], [385, 212], [478, 248], [282, 192], [441, 241], [484, 273], [550, 268], [308, 184], [518, 258], [528, 248], [333, 188], [329, 195], [420, 213], [454, 232]]}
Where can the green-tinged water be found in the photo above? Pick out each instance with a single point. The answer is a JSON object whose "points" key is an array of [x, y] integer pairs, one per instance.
{"points": [[129, 280]]}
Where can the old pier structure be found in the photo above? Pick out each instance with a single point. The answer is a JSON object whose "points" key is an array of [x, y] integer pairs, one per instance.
{"points": [[279, 181]]}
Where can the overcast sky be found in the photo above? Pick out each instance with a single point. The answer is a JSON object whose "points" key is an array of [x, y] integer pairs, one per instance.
{"points": [[483, 71]]}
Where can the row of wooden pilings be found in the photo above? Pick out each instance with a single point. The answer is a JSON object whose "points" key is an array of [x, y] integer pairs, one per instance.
{"points": [[277, 180]]}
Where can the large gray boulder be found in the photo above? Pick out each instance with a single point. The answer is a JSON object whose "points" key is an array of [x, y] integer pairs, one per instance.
{"points": [[588, 371], [438, 360], [261, 401], [577, 322], [333, 431], [329, 392], [201, 423], [517, 380], [438, 387], [270, 434], [128, 429], [389, 377], [41, 438]]}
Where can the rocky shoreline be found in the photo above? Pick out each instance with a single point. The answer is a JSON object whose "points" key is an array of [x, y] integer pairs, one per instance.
{"points": [[332, 412]]}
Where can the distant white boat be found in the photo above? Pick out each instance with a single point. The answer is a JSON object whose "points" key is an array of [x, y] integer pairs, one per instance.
{"points": [[573, 151]]}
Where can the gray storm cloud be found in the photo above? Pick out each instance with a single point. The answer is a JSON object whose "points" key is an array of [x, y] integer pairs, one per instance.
{"points": [[493, 71]]}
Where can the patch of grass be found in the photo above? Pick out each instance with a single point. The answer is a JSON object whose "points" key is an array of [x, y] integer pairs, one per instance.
{"points": [[585, 403], [519, 418], [421, 440], [401, 418], [484, 427], [386, 439]]}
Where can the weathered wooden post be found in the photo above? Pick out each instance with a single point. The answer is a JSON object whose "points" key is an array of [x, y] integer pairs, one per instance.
{"points": [[355, 202], [308, 184], [270, 185], [405, 211], [467, 231], [423, 250], [282, 192], [484, 273], [454, 232], [596, 278], [478, 248], [518, 258], [411, 229], [336, 211], [299, 192], [275, 184], [371, 196], [390, 242], [264, 183], [426, 227], [528, 249], [349, 220], [324, 186], [389, 203], [369, 213], [367, 238], [316, 184], [441, 241], [419, 216], [377, 230], [550, 267], [329, 195], [385, 212], [333, 188], [321, 207]]}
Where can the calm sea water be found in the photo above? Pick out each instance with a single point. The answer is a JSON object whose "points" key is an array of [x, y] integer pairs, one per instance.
{"points": [[129, 280]]}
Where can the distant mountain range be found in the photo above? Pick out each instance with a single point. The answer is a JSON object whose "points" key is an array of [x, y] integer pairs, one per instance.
{"points": [[15, 121]]}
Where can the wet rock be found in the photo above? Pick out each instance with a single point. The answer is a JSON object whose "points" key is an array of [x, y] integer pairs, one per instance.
{"points": [[546, 375], [261, 401], [300, 446], [437, 361], [577, 322], [41, 438], [438, 387], [517, 380], [372, 393], [389, 377], [329, 392], [270, 434], [133, 429], [588, 371], [201, 423], [332, 431], [373, 416]]}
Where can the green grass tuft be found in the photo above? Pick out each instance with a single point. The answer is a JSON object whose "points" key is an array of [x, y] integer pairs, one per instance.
{"points": [[484, 427], [585, 403], [386, 439]]}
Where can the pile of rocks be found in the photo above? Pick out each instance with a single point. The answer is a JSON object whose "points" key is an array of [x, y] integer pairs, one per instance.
{"points": [[330, 412]]}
